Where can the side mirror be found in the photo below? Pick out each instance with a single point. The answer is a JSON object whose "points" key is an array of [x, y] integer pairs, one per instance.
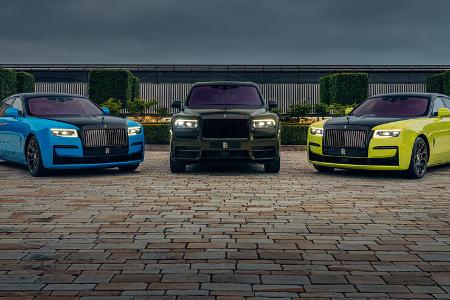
{"points": [[176, 104], [106, 111], [273, 104], [348, 110], [12, 113], [442, 113]]}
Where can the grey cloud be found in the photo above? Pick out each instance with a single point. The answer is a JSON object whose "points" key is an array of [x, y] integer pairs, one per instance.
{"points": [[225, 31]]}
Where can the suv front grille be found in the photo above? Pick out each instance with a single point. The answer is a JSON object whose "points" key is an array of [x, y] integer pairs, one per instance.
{"points": [[345, 138], [225, 128], [105, 137]]}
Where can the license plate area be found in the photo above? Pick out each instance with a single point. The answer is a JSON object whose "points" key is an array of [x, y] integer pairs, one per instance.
{"points": [[224, 145]]}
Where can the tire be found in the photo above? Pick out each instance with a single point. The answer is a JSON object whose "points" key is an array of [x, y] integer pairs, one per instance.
{"points": [[419, 159], [273, 167], [323, 169], [129, 168], [33, 157], [176, 166]]}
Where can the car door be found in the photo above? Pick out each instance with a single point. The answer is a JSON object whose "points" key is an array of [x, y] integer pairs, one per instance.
{"points": [[439, 134], [18, 131], [446, 155], [4, 128]]}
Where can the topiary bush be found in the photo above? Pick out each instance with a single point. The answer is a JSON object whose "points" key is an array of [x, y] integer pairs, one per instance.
{"points": [[113, 105], [110, 83], [7, 83], [157, 133], [135, 88], [24, 82], [299, 110], [446, 83], [138, 106], [294, 134], [435, 84], [348, 88], [325, 90]]}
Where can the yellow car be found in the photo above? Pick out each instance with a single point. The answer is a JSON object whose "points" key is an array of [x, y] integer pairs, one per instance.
{"points": [[400, 132]]}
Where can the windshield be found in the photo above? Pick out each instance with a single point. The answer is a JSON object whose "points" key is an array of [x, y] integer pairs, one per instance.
{"points": [[396, 106], [62, 106], [224, 95]]}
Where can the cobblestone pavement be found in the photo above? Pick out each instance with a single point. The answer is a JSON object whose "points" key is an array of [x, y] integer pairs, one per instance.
{"points": [[228, 232]]}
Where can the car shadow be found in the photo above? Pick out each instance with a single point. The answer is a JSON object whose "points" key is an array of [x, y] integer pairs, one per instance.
{"points": [[226, 169]]}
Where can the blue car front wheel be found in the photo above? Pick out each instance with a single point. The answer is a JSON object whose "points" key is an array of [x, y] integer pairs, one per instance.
{"points": [[34, 158]]}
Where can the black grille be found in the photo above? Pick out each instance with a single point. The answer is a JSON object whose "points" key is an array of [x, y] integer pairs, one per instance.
{"points": [[225, 128], [345, 138], [105, 137]]}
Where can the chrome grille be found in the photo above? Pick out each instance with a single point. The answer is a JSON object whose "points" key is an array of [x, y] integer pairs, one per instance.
{"points": [[105, 137], [345, 138]]}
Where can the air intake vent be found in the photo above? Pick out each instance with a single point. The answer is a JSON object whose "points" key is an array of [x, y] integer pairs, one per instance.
{"points": [[225, 128]]}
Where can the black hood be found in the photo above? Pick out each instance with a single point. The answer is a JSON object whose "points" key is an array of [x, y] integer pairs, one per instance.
{"points": [[369, 122], [89, 121]]}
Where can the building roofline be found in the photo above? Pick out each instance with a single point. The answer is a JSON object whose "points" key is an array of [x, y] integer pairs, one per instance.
{"points": [[231, 67]]}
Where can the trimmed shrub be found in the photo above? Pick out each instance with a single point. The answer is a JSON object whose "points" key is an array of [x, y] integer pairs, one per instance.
{"points": [[24, 82], [138, 106], [135, 88], [321, 110], [105, 84], [291, 134], [325, 90], [157, 133], [299, 110], [435, 83], [349, 88], [446, 84], [7, 83], [294, 134], [113, 105]]}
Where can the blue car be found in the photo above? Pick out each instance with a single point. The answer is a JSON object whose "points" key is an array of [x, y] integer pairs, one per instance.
{"points": [[62, 131]]}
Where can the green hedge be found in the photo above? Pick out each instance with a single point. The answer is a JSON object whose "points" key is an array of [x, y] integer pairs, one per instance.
{"points": [[435, 84], [325, 90], [24, 82], [157, 133], [291, 134], [135, 88], [7, 83], [446, 83], [112, 83], [349, 88]]}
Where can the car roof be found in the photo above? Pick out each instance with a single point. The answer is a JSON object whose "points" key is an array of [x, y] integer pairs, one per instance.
{"points": [[410, 94], [215, 83], [41, 94]]}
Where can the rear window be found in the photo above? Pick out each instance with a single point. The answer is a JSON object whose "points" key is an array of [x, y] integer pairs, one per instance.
{"points": [[224, 95]]}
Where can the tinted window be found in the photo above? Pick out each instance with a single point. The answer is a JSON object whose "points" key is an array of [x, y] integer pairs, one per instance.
{"points": [[6, 104], [224, 95], [438, 103], [62, 106], [18, 105], [393, 107]]}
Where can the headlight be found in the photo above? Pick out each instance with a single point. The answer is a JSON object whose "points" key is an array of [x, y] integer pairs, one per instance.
{"points": [[263, 123], [134, 130], [387, 133], [316, 131], [186, 123], [64, 132]]}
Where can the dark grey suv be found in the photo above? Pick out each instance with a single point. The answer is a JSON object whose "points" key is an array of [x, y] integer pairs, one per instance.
{"points": [[225, 122]]}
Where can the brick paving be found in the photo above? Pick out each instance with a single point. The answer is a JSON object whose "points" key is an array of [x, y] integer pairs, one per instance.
{"points": [[227, 232]]}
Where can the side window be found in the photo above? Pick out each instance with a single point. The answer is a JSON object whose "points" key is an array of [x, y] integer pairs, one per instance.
{"points": [[447, 102], [438, 103], [18, 105], [5, 105]]}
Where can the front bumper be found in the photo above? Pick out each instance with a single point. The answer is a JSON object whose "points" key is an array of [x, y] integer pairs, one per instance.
{"points": [[68, 153], [381, 154], [196, 150]]}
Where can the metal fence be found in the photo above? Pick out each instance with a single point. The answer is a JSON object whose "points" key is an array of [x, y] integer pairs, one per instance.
{"points": [[284, 94]]}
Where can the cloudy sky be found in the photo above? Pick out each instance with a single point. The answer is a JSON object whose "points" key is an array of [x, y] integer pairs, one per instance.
{"points": [[225, 31]]}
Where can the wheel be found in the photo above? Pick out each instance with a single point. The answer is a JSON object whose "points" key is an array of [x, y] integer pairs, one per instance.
{"points": [[323, 169], [419, 159], [176, 166], [34, 158], [129, 168], [273, 167]]}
